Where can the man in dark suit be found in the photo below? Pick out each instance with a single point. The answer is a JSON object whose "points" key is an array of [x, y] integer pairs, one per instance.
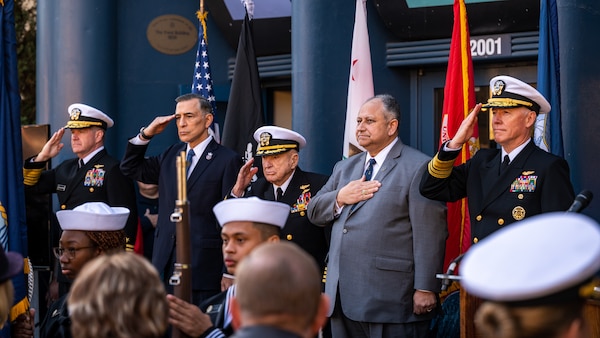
{"points": [[387, 240], [93, 176], [293, 307], [279, 151], [212, 171], [246, 224], [508, 184]]}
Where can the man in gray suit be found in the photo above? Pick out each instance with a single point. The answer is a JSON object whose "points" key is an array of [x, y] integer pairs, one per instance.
{"points": [[387, 241]]}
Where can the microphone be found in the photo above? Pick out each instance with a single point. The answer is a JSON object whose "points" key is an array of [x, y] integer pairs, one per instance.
{"points": [[581, 201], [449, 276]]}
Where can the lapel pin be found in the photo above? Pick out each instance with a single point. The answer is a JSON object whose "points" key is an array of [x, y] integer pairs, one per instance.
{"points": [[209, 156]]}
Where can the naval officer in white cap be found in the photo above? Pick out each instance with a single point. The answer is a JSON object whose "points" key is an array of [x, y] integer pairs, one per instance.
{"points": [[245, 224], [534, 277], [89, 230], [92, 176], [506, 184]]}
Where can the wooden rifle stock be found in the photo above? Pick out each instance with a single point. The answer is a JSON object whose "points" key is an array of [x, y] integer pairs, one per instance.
{"points": [[181, 280]]}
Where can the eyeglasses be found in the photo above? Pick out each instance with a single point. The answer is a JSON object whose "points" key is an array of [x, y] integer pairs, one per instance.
{"points": [[58, 252]]}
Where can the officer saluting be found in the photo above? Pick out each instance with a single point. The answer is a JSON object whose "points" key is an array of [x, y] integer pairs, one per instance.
{"points": [[507, 184], [93, 176], [285, 182]]}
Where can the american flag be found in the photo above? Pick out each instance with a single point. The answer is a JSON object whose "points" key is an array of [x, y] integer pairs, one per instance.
{"points": [[202, 82]]}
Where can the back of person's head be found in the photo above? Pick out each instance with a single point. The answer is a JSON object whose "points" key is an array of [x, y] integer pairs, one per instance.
{"points": [[118, 296], [11, 263], [502, 320], [278, 281], [534, 276]]}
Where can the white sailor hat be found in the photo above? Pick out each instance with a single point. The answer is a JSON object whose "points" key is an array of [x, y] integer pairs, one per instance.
{"points": [[84, 116], [252, 209], [274, 140], [93, 216], [508, 92], [548, 258]]}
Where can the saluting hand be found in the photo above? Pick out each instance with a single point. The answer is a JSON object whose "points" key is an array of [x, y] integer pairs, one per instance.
{"points": [[465, 131], [244, 177], [52, 147], [158, 125]]}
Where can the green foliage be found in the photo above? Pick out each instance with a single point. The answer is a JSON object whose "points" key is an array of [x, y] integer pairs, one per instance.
{"points": [[25, 25]]}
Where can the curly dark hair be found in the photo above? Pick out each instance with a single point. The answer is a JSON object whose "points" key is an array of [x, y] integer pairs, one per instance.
{"points": [[108, 241]]}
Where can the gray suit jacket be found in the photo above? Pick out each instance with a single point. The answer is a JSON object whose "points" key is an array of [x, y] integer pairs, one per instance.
{"points": [[386, 247]]}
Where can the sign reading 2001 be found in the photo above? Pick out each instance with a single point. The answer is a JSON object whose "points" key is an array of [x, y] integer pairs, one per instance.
{"points": [[490, 46]]}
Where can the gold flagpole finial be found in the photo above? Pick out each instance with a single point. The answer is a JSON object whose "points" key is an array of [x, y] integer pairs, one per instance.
{"points": [[201, 15]]}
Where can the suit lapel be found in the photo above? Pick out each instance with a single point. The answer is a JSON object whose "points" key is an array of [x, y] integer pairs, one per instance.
{"points": [[208, 156], [387, 166]]}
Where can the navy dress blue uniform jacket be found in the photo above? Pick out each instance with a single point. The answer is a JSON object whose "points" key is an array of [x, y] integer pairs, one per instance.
{"points": [[209, 181], [298, 228], [99, 180], [535, 182]]}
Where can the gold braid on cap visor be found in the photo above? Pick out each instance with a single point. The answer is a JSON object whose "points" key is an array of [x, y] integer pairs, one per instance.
{"points": [[274, 149], [440, 169], [82, 124], [507, 102]]}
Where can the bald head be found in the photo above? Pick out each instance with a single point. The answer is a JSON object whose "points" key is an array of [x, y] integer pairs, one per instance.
{"points": [[279, 280]]}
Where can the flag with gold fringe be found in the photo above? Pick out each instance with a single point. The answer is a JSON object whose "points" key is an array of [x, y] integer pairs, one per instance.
{"points": [[459, 99], [13, 227]]}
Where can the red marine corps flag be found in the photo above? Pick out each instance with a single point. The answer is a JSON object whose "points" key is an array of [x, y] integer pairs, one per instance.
{"points": [[459, 99]]}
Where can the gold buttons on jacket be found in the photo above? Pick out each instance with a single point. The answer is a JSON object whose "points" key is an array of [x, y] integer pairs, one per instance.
{"points": [[475, 240], [63, 206], [500, 221], [91, 189], [520, 196], [478, 217], [288, 237]]}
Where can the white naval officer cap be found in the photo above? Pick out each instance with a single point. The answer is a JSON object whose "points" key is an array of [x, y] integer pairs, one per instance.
{"points": [[274, 140], [84, 116], [543, 259], [93, 216], [252, 209], [508, 92]]}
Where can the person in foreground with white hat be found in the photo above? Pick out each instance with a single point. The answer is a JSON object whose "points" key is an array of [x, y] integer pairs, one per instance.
{"points": [[508, 184], [245, 224], [294, 307], [89, 230], [534, 277]]}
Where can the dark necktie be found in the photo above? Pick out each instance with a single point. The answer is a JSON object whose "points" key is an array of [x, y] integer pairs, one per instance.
{"points": [[369, 170], [81, 164], [190, 156], [279, 194], [504, 164]]}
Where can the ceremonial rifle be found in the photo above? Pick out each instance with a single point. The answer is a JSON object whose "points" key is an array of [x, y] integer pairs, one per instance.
{"points": [[181, 280]]}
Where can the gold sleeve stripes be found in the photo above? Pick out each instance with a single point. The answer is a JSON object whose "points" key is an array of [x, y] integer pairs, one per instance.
{"points": [[31, 176], [440, 169]]}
